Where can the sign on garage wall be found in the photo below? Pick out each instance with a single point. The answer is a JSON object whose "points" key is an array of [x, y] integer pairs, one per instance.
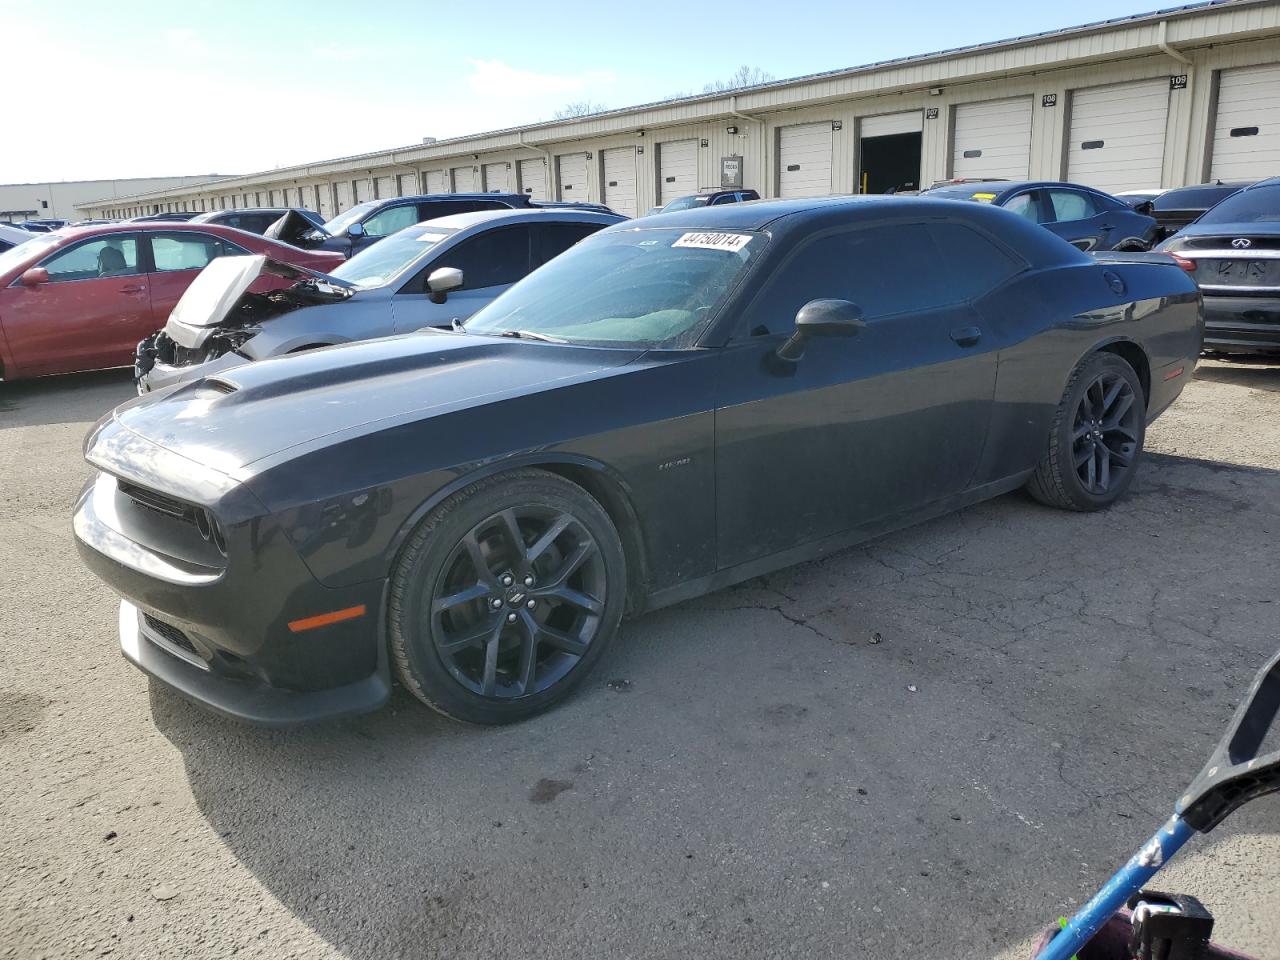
{"points": [[992, 139], [533, 178], [804, 160], [620, 180], [677, 169], [1246, 128], [1116, 140]]}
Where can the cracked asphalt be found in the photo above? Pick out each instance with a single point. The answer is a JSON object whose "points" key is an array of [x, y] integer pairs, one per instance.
{"points": [[930, 746]]}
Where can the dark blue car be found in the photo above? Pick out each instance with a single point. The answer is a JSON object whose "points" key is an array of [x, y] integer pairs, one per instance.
{"points": [[1087, 218]]}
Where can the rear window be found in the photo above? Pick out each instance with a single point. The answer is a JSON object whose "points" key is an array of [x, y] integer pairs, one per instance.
{"points": [[1259, 205], [1190, 198]]}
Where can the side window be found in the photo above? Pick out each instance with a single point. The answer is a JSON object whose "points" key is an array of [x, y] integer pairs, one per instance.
{"points": [[726, 198], [884, 270], [447, 208], [1071, 205], [1024, 205], [188, 251], [114, 256], [552, 239], [490, 258], [388, 221], [973, 264]]}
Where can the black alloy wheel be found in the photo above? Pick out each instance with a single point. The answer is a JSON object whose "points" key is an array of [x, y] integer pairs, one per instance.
{"points": [[505, 597], [518, 602], [1106, 432]]}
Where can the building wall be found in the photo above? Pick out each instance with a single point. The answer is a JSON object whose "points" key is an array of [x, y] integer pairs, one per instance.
{"points": [[63, 199], [1209, 40]]}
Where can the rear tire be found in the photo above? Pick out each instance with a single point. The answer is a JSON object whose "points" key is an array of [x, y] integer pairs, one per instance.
{"points": [[1095, 442], [505, 597]]}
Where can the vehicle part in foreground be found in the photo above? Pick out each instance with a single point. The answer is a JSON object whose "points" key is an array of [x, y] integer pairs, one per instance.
{"points": [[1235, 251], [475, 508], [1236, 773]]}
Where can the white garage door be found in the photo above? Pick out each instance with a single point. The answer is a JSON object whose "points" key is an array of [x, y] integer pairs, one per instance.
{"points": [[620, 180], [1117, 135], [888, 124], [437, 182], [533, 178], [677, 169], [385, 186], [573, 176], [464, 179], [804, 160], [408, 184], [1246, 133], [496, 177], [992, 139], [344, 195]]}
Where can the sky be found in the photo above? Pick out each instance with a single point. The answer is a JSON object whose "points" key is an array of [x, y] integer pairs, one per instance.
{"points": [[146, 88]]}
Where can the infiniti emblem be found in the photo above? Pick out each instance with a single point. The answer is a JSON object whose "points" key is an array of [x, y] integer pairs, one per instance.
{"points": [[1241, 242]]}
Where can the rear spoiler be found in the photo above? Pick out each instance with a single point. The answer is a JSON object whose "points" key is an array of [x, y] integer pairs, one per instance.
{"points": [[1159, 258]]}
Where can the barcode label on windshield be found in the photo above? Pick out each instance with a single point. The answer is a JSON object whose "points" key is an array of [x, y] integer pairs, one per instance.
{"points": [[729, 242], [431, 237]]}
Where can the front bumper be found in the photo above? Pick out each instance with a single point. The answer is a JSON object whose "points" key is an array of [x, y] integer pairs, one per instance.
{"points": [[1242, 324], [151, 373], [224, 632]]}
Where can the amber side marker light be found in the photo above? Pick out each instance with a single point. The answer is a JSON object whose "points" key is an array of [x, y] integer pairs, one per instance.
{"points": [[324, 619], [1175, 373]]}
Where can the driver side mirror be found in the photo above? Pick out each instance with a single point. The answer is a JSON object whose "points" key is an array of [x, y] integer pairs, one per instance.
{"points": [[442, 281], [822, 318], [34, 277], [355, 231], [1144, 208]]}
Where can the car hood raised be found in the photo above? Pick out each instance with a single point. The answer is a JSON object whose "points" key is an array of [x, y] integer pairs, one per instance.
{"points": [[275, 408], [222, 287]]}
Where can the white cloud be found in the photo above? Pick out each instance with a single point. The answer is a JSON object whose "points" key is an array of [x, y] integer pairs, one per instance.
{"points": [[493, 78]]}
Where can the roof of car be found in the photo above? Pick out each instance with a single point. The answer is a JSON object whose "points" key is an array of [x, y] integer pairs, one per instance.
{"points": [[758, 214], [998, 187], [461, 221]]}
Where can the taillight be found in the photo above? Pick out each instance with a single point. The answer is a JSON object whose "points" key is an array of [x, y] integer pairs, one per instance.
{"points": [[1184, 263]]}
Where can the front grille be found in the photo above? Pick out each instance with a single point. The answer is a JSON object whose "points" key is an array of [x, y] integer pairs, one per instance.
{"points": [[157, 502], [170, 634]]}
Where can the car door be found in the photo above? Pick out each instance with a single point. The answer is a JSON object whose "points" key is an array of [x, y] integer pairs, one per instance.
{"points": [[174, 259], [859, 430], [1073, 215], [87, 315], [490, 260]]}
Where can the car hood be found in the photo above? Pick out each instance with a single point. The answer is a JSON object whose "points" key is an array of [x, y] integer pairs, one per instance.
{"points": [[292, 228], [222, 288], [276, 408]]}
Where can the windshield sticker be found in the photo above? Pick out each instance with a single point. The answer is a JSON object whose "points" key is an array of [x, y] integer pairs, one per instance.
{"points": [[983, 197], [728, 242], [431, 237]]}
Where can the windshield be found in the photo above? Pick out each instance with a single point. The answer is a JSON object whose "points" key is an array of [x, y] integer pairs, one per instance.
{"points": [[1259, 205], [354, 215], [38, 244], [374, 266], [685, 203], [632, 287]]}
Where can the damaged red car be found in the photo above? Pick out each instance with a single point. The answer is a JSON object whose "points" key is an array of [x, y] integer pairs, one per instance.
{"points": [[81, 299]]}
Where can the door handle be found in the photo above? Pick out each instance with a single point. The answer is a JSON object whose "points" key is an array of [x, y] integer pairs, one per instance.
{"points": [[133, 288], [1105, 226], [966, 336]]}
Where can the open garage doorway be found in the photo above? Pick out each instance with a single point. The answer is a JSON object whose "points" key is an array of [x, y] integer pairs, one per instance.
{"points": [[889, 152]]}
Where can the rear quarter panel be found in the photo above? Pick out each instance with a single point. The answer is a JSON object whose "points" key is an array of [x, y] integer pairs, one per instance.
{"points": [[1050, 320]]}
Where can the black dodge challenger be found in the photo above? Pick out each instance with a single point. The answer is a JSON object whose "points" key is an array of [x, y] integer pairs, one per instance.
{"points": [[674, 405]]}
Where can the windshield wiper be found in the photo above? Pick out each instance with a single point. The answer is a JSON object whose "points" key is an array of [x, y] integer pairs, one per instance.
{"points": [[530, 335]]}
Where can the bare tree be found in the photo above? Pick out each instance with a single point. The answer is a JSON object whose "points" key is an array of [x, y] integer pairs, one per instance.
{"points": [[744, 76], [579, 108]]}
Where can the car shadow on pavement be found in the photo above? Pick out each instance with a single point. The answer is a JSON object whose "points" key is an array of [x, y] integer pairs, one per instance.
{"points": [[1258, 374], [65, 399], [928, 745]]}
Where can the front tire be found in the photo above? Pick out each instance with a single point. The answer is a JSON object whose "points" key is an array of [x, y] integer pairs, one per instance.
{"points": [[1096, 439], [505, 597]]}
